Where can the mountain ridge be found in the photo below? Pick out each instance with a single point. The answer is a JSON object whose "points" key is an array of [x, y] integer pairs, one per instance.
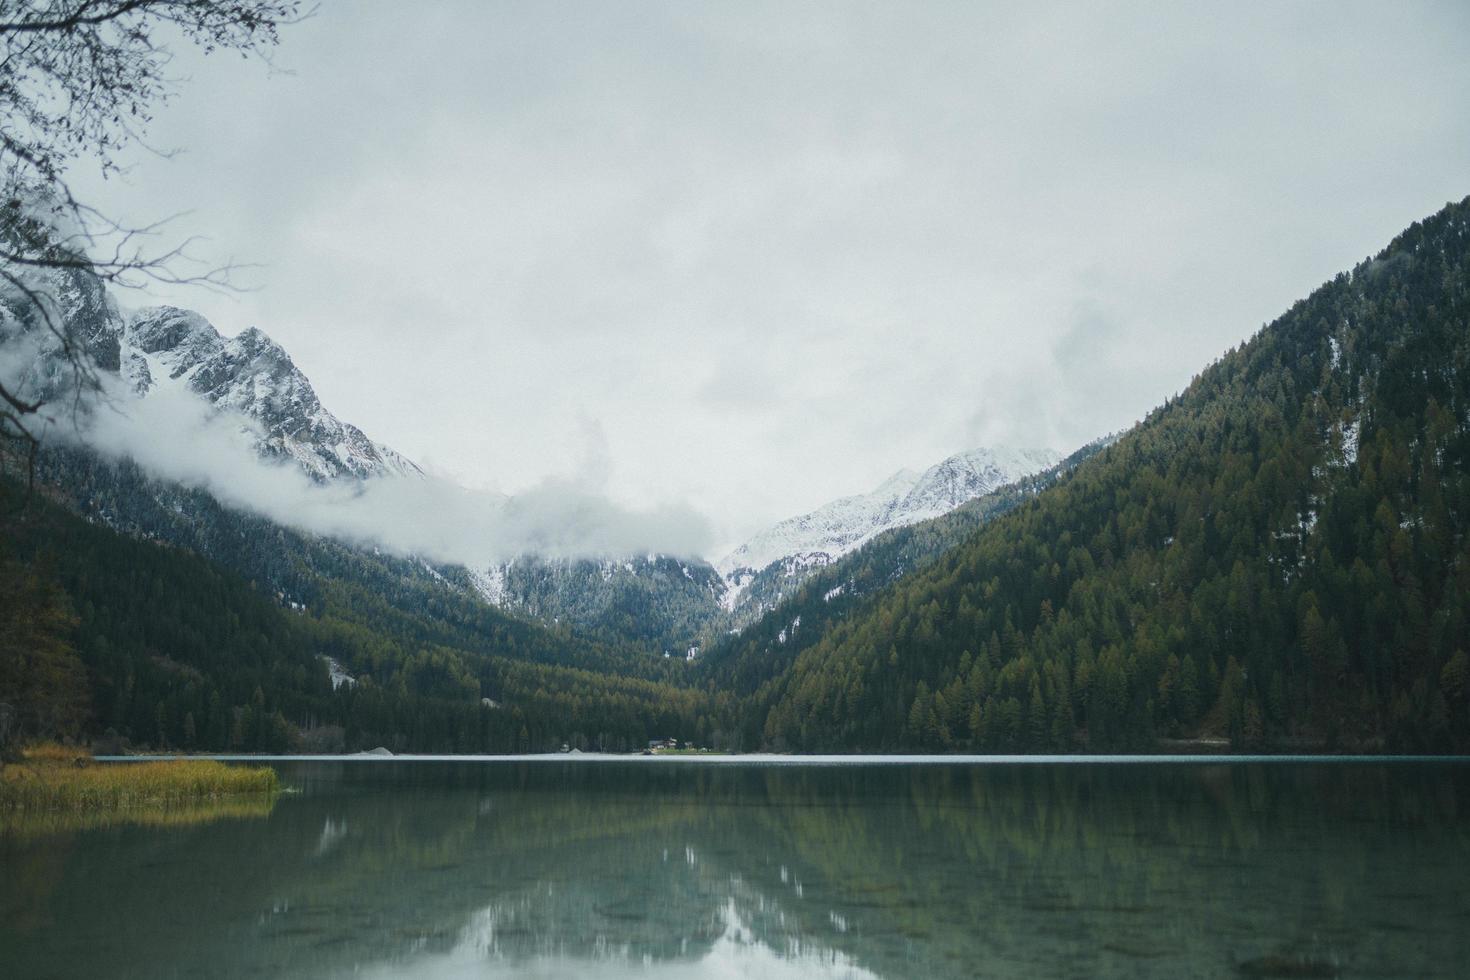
{"points": [[778, 559], [1278, 556], [254, 376], [907, 497], [155, 348], [673, 605]]}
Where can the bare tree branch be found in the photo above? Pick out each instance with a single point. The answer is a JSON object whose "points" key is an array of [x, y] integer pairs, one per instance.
{"points": [[79, 80]]}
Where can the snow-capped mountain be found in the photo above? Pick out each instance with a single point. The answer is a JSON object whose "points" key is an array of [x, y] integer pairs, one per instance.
{"points": [[820, 537], [656, 601], [162, 347], [675, 601], [254, 376], [162, 352]]}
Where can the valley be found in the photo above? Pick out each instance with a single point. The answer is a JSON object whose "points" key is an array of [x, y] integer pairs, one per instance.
{"points": [[1248, 563]]}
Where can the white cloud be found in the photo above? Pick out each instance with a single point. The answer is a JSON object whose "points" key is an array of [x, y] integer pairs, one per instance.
{"points": [[176, 436], [778, 251]]}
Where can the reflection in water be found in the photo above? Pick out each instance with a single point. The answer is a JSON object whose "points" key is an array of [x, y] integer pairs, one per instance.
{"points": [[34, 823], [660, 870], [736, 952]]}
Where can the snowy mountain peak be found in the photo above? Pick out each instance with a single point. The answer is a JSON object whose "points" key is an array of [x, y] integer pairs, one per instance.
{"points": [[254, 337], [965, 476], [848, 523], [166, 328], [253, 375], [165, 346]]}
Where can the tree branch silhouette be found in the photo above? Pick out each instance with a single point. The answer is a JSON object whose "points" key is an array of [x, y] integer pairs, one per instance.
{"points": [[79, 81]]}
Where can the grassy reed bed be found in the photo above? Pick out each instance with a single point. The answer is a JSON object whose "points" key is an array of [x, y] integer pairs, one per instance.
{"points": [[49, 779]]}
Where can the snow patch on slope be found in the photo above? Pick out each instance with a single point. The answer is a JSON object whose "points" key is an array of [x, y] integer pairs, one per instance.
{"points": [[829, 532], [489, 583]]}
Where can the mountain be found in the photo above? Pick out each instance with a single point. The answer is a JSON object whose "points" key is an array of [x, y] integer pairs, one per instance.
{"points": [[252, 375], [669, 605], [681, 606], [614, 634], [740, 663], [660, 603], [1279, 556], [199, 625], [665, 603], [779, 558], [174, 647], [847, 523], [163, 348]]}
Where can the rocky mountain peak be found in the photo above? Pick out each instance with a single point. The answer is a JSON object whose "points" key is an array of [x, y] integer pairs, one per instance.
{"points": [[162, 329], [253, 375], [846, 524], [164, 345]]}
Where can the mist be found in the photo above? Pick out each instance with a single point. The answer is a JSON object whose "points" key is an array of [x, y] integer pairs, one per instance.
{"points": [[175, 436]]}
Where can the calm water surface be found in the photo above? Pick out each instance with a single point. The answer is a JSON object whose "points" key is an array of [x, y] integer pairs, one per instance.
{"points": [[661, 868]]}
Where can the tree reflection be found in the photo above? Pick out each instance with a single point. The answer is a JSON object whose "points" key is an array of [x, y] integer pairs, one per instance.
{"points": [[597, 868]]}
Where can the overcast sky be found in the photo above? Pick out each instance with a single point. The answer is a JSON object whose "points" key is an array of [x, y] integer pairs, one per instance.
{"points": [[750, 257]]}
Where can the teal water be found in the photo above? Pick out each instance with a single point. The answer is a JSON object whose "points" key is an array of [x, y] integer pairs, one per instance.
{"points": [[678, 868]]}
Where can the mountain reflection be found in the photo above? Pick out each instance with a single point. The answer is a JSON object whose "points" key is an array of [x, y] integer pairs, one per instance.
{"points": [[652, 870], [735, 952]]}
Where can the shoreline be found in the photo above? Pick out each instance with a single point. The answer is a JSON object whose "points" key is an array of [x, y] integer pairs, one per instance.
{"points": [[775, 759]]}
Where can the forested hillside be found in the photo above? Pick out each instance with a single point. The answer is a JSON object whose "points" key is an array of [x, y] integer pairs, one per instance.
{"points": [[658, 603], [743, 661], [170, 650], [322, 574], [1278, 555]]}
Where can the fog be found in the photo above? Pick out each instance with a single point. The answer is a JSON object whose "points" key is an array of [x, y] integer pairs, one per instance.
{"points": [[176, 436]]}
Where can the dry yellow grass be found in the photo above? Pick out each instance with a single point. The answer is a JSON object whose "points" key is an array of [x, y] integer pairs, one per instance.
{"points": [[49, 779], [53, 753]]}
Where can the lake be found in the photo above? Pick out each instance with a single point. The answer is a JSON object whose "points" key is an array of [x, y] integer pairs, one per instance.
{"points": [[561, 867]]}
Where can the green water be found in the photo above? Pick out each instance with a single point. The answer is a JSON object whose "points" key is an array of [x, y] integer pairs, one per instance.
{"points": [[664, 868]]}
